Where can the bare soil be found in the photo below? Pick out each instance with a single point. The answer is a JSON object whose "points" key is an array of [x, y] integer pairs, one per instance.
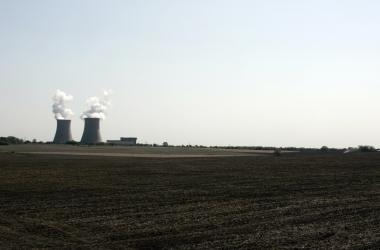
{"points": [[130, 150], [247, 202]]}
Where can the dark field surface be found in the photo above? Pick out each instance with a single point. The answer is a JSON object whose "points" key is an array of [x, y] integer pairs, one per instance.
{"points": [[293, 201], [156, 152]]}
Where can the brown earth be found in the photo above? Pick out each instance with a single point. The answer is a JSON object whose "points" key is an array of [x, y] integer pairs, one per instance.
{"points": [[133, 151], [247, 202]]}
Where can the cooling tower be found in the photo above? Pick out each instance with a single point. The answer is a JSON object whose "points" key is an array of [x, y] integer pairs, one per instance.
{"points": [[91, 133], [63, 133]]}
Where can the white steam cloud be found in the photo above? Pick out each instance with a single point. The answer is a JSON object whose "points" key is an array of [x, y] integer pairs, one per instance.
{"points": [[60, 111], [97, 107]]}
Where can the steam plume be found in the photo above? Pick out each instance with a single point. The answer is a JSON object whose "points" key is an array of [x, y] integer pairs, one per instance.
{"points": [[60, 111], [97, 107]]}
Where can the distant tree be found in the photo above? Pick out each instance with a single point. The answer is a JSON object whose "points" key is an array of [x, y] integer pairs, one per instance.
{"points": [[366, 149], [11, 140], [72, 142], [324, 149], [165, 144]]}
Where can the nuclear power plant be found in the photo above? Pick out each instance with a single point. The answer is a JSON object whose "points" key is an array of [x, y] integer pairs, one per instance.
{"points": [[63, 133], [91, 133], [127, 141], [92, 116]]}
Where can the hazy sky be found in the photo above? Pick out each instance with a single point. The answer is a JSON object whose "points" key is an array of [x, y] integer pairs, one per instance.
{"points": [[212, 72]]}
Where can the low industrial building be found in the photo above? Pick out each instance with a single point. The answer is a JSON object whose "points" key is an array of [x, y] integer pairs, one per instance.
{"points": [[130, 141]]}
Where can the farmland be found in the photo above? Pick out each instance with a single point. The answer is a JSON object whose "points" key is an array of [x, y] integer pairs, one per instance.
{"points": [[132, 151], [215, 200]]}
